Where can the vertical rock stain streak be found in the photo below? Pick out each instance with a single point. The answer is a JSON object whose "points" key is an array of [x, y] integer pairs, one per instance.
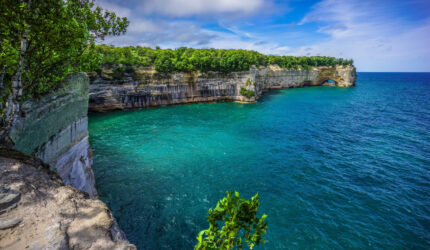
{"points": [[159, 89]]}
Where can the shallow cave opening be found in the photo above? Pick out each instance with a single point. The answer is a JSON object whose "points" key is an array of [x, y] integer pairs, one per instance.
{"points": [[329, 82], [307, 83]]}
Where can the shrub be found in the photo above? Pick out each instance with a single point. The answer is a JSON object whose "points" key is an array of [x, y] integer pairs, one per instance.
{"points": [[239, 224], [247, 93], [250, 82]]}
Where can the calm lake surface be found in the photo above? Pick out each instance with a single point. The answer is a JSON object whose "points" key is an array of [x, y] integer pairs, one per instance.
{"points": [[334, 167]]}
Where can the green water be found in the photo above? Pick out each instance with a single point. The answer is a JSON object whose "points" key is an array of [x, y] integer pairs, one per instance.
{"points": [[334, 167]]}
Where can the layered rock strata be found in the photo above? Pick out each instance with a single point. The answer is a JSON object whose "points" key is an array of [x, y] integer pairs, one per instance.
{"points": [[147, 88], [55, 129], [56, 185]]}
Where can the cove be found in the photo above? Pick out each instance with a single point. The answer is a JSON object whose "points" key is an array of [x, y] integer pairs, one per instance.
{"points": [[334, 167]]}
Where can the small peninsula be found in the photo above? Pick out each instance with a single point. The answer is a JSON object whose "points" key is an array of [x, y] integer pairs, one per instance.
{"points": [[131, 78]]}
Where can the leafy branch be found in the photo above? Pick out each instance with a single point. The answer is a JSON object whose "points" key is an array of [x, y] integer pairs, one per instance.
{"points": [[232, 223]]}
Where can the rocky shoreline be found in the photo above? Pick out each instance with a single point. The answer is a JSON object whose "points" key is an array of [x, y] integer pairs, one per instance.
{"points": [[49, 200], [144, 87]]}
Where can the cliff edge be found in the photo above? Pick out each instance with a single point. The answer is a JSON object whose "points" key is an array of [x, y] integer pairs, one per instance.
{"points": [[145, 87], [48, 200], [55, 129], [37, 211]]}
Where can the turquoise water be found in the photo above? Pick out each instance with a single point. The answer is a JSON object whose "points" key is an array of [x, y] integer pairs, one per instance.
{"points": [[334, 167]]}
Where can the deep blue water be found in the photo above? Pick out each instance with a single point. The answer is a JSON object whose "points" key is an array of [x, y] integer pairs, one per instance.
{"points": [[334, 167]]}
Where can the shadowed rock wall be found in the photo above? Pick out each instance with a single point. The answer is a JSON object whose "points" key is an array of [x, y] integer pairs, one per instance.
{"points": [[55, 129]]}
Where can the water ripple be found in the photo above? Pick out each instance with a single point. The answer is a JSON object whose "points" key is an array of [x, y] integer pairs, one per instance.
{"points": [[335, 168]]}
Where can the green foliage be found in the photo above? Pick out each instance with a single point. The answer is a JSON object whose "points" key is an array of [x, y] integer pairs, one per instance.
{"points": [[247, 93], [61, 38], [188, 59], [250, 82], [120, 70], [239, 224], [163, 63]]}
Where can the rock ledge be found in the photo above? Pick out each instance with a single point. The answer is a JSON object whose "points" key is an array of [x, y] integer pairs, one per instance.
{"points": [[53, 216]]}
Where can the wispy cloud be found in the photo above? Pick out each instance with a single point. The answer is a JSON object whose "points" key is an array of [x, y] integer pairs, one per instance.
{"points": [[119, 10], [152, 33], [369, 33], [183, 8], [378, 35]]}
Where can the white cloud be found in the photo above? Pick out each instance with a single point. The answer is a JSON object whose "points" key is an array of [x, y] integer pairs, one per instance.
{"points": [[361, 30], [182, 8], [140, 26], [367, 31], [152, 33], [334, 10], [119, 10]]}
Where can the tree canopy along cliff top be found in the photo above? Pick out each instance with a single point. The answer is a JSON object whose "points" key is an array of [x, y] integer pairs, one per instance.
{"points": [[42, 41], [188, 59], [51, 39]]}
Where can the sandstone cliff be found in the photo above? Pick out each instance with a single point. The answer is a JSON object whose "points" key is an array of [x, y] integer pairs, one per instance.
{"points": [[147, 88], [37, 211], [55, 129]]}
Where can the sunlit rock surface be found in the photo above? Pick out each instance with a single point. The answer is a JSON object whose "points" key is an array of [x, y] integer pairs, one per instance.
{"points": [[51, 215], [148, 88]]}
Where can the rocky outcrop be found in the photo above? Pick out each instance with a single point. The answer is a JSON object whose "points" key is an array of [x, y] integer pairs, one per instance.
{"points": [[147, 88], [39, 212], [47, 213], [55, 129]]}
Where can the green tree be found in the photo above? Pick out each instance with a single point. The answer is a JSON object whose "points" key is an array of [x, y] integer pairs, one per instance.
{"points": [[164, 63], [239, 224], [43, 41], [187, 59], [247, 93]]}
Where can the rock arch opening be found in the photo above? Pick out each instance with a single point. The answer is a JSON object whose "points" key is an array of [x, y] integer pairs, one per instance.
{"points": [[328, 82]]}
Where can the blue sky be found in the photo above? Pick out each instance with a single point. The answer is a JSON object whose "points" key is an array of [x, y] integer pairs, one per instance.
{"points": [[380, 35]]}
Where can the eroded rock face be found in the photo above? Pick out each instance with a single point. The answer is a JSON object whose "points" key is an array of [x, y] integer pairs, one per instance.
{"points": [[148, 88], [55, 129], [53, 216]]}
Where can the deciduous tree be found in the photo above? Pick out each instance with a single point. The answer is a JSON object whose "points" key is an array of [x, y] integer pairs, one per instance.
{"points": [[42, 41]]}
